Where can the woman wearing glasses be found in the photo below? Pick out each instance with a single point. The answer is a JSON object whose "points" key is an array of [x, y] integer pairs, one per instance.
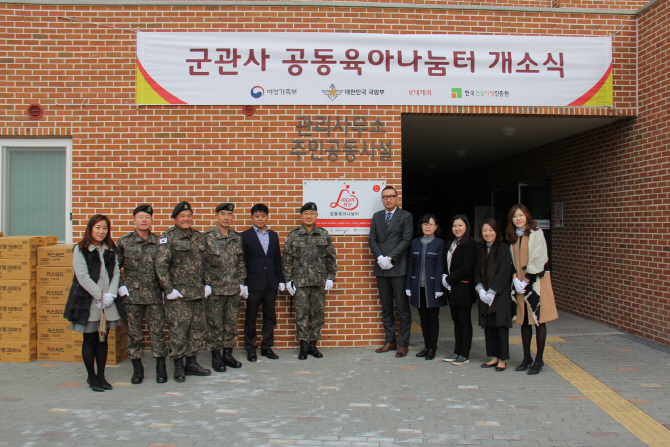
{"points": [[425, 265]]}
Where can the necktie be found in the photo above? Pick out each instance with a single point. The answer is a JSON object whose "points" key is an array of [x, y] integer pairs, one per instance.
{"points": [[388, 218]]}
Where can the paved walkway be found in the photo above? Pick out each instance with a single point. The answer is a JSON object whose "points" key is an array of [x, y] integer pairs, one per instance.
{"points": [[599, 388]]}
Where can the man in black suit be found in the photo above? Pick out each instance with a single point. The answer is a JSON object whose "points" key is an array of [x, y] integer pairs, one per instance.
{"points": [[390, 237], [264, 277]]}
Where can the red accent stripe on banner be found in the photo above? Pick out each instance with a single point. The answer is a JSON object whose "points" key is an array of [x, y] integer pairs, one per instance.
{"points": [[169, 97], [345, 223], [591, 93]]}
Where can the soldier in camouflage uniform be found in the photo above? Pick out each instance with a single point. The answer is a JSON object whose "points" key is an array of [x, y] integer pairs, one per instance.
{"points": [[180, 269], [224, 277], [309, 265], [143, 295]]}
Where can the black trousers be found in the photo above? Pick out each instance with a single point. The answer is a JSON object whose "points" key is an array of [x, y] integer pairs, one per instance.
{"points": [[497, 342], [388, 288], [460, 315], [430, 321], [266, 299]]}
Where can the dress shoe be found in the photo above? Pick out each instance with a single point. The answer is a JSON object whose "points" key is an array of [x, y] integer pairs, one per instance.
{"points": [[315, 352], [95, 385], [191, 368], [386, 348], [179, 370], [138, 372], [422, 353], [269, 354], [229, 360], [451, 358], [460, 360], [501, 368], [430, 355], [536, 368], [525, 364], [402, 352], [304, 350], [489, 365], [105, 384], [251, 355], [217, 361], [161, 371]]}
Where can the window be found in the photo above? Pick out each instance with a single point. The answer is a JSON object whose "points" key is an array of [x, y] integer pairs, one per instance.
{"points": [[36, 187]]}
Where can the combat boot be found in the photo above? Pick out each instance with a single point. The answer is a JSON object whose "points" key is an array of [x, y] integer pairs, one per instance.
{"points": [[229, 360], [161, 372], [217, 361], [312, 350], [138, 372], [179, 370], [304, 350], [193, 369]]}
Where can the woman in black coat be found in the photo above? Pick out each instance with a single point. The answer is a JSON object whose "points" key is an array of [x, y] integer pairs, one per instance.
{"points": [[423, 286], [493, 279], [458, 279]]}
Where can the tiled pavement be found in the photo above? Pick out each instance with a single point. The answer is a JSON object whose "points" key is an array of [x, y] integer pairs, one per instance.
{"points": [[355, 397]]}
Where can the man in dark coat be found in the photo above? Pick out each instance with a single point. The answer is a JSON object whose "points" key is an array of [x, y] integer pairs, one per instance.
{"points": [[264, 279], [390, 237]]}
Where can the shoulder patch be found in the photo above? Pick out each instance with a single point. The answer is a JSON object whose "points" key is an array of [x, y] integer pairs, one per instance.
{"points": [[163, 240]]}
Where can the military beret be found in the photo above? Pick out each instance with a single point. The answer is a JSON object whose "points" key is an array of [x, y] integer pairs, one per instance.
{"points": [[181, 206], [225, 207], [144, 209], [309, 206]]}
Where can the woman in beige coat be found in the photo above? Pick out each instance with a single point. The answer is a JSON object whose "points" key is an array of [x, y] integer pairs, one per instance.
{"points": [[532, 292]]}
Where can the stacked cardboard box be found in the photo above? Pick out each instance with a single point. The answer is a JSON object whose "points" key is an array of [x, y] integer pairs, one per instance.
{"points": [[18, 269], [54, 280]]}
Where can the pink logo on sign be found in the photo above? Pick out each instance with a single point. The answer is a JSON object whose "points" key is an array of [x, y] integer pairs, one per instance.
{"points": [[346, 200]]}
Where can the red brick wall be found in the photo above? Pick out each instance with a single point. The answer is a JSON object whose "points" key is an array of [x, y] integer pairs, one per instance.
{"points": [[123, 155]]}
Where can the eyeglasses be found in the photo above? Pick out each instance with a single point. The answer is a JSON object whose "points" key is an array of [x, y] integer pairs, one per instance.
{"points": [[428, 224], [389, 197]]}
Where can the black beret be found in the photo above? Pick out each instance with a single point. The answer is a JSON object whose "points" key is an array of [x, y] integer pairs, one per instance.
{"points": [[144, 209], [181, 206], [309, 206], [225, 207]]}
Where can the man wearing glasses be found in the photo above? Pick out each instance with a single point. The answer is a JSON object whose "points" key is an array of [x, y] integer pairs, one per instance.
{"points": [[390, 237]]}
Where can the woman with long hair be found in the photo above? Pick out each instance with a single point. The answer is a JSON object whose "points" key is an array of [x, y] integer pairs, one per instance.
{"points": [[534, 296], [423, 286], [458, 279], [91, 307], [493, 279]]}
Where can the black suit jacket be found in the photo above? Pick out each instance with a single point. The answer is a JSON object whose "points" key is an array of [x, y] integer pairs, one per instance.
{"points": [[262, 269], [392, 240], [460, 276]]}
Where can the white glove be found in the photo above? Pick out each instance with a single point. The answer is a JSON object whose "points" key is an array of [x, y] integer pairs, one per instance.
{"points": [[438, 294], [290, 287], [389, 264], [244, 292], [482, 295], [329, 284], [384, 262], [174, 295], [444, 280], [489, 298], [282, 286], [208, 291], [519, 285], [408, 292], [98, 304], [107, 300], [123, 291]]}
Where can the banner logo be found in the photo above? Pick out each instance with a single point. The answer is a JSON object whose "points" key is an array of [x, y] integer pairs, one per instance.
{"points": [[257, 91], [346, 200], [456, 92], [332, 92]]}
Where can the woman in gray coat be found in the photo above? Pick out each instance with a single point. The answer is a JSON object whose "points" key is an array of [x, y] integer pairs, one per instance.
{"points": [[423, 286]]}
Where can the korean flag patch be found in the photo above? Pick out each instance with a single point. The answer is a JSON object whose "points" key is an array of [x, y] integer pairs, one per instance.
{"points": [[162, 240]]}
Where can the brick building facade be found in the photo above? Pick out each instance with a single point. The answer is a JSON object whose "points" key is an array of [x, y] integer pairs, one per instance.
{"points": [[77, 60]]}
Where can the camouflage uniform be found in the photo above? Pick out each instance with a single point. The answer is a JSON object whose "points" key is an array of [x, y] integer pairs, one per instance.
{"points": [[179, 265], [309, 260], [224, 272], [137, 258]]}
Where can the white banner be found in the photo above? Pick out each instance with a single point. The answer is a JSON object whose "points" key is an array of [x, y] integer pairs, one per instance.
{"points": [[344, 207], [281, 68]]}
